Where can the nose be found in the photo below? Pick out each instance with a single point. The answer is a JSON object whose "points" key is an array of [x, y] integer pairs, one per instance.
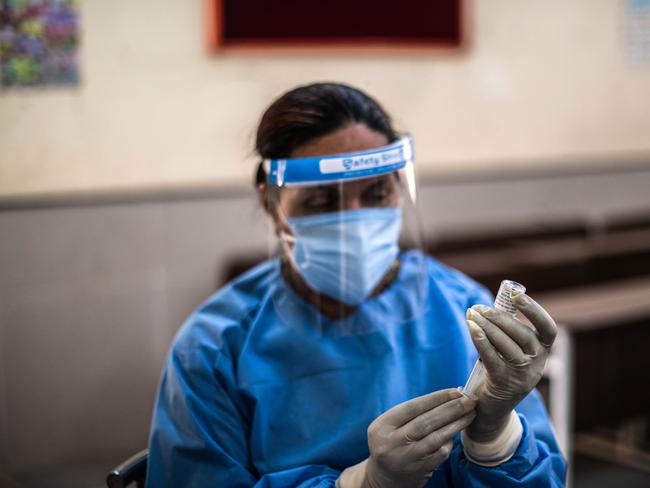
{"points": [[352, 202]]}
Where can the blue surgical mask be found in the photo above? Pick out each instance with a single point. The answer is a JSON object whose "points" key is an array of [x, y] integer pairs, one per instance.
{"points": [[345, 254]]}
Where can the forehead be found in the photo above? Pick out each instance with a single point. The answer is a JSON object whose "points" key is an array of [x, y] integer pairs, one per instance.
{"points": [[354, 137]]}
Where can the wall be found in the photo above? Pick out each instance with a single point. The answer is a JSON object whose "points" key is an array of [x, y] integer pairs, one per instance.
{"points": [[540, 81], [90, 298]]}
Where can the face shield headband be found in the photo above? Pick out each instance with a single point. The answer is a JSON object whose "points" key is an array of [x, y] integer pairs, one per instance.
{"points": [[397, 156]]}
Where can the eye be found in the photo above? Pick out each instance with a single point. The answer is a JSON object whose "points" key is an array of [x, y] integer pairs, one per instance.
{"points": [[378, 194], [320, 201]]}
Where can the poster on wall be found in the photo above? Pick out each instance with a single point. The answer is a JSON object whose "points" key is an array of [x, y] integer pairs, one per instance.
{"points": [[636, 29], [39, 42]]}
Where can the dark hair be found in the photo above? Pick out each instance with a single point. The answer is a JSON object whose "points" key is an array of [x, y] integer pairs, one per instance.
{"points": [[311, 111]]}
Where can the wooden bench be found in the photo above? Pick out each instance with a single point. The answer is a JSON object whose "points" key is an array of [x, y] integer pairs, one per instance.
{"points": [[598, 370]]}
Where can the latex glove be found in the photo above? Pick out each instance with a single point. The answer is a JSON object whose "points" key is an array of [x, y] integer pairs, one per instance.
{"points": [[410, 440], [514, 356]]}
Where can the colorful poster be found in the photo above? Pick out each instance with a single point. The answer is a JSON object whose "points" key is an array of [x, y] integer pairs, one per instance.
{"points": [[39, 41], [636, 29]]}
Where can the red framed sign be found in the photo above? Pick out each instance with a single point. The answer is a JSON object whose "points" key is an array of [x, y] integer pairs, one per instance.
{"points": [[333, 24]]}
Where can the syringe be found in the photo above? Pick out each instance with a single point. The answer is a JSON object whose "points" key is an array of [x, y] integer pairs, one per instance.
{"points": [[504, 303]]}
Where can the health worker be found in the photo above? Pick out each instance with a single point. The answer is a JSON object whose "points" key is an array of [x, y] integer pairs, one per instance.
{"points": [[337, 362]]}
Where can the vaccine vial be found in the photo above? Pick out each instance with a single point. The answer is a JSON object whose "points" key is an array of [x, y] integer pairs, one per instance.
{"points": [[504, 303]]}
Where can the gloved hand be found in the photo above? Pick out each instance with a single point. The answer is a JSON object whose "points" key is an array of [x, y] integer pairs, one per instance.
{"points": [[513, 354], [411, 439]]}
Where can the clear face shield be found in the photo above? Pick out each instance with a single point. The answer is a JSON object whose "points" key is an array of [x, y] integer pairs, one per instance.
{"points": [[349, 234]]}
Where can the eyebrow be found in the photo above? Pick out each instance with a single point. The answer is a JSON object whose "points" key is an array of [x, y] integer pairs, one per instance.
{"points": [[326, 187], [381, 182], [337, 188]]}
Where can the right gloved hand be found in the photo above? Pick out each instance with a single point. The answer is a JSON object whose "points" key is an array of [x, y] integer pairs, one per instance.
{"points": [[410, 440]]}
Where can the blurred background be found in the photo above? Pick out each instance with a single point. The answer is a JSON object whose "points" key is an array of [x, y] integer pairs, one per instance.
{"points": [[126, 198]]}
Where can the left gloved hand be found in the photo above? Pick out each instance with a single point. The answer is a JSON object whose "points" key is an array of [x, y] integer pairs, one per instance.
{"points": [[514, 356]]}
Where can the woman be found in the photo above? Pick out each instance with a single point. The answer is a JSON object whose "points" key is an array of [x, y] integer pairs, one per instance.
{"points": [[337, 363]]}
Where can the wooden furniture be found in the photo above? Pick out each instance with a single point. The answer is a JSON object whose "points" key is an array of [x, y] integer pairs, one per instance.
{"points": [[598, 370]]}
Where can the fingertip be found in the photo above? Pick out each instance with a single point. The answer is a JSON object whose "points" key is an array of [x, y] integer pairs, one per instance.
{"points": [[468, 403], [516, 291], [462, 392], [475, 330], [480, 308], [455, 393], [447, 447], [444, 395], [519, 299]]}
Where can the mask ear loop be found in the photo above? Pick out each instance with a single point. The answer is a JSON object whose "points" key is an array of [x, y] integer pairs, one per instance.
{"points": [[287, 241]]}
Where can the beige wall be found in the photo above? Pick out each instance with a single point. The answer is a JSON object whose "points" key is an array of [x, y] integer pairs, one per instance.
{"points": [[542, 81]]}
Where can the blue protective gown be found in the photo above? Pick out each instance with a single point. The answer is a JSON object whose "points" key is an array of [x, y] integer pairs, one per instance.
{"points": [[259, 389]]}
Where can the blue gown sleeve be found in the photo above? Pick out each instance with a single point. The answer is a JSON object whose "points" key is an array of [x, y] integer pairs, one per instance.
{"points": [[200, 426]]}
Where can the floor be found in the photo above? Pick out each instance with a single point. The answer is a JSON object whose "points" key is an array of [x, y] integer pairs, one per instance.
{"points": [[594, 473]]}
